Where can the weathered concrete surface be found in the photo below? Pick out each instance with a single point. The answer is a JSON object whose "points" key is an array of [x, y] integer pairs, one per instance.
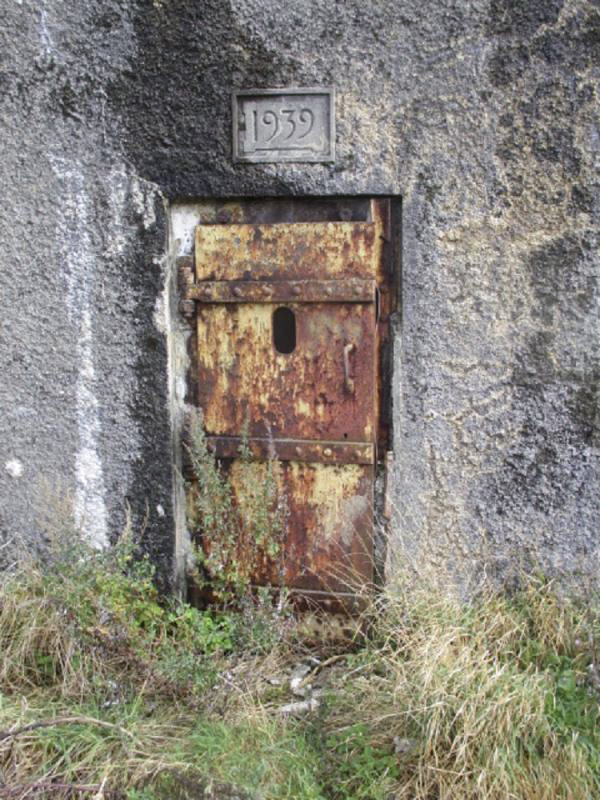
{"points": [[482, 115], [83, 356]]}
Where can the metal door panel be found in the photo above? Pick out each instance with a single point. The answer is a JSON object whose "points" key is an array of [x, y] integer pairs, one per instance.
{"points": [[286, 250], [328, 547], [318, 404], [242, 379]]}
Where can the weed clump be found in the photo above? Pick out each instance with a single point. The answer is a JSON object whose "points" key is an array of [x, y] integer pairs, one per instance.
{"points": [[238, 516]]}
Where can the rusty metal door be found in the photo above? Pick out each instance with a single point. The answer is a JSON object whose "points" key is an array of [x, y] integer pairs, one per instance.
{"points": [[287, 355]]}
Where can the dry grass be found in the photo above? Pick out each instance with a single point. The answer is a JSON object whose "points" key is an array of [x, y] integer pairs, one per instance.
{"points": [[105, 693], [482, 701]]}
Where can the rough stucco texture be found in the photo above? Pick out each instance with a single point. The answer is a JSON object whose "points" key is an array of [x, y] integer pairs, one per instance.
{"points": [[482, 115]]}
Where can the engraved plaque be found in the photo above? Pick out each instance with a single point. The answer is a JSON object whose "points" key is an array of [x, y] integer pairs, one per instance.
{"points": [[283, 125]]}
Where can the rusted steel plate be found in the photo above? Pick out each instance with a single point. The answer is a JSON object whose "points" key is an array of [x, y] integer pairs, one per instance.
{"points": [[319, 395], [293, 450], [323, 389], [351, 290], [329, 544], [286, 251]]}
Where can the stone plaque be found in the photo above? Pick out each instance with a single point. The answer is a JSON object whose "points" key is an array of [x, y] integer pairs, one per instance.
{"points": [[283, 125]]}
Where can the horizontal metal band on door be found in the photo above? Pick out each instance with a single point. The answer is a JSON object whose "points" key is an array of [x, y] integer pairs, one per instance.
{"points": [[334, 291], [321, 452]]}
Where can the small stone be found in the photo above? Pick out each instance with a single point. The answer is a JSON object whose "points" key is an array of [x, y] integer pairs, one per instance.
{"points": [[404, 747], [296, 678], [302, 707]]}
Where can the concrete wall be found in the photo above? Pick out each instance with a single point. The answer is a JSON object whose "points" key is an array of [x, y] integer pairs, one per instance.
{"points": [[482, 115]]}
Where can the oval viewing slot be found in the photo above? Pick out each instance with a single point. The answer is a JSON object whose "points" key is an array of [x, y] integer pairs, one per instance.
{"points": [[284, 330]]}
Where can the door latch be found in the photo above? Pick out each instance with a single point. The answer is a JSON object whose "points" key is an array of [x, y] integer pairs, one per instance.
{"points": [[348, 380]]}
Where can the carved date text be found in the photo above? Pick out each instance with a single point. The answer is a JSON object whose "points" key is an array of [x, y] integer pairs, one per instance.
{"points": [[283, 125]]}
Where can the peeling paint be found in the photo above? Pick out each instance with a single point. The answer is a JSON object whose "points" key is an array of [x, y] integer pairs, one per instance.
{"points": [[184, 219]]}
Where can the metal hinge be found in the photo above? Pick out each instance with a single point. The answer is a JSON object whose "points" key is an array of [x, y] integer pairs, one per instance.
{"points": [[185, 278], [349, 290], [305, 450], [292, 450], [298, 291]]}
